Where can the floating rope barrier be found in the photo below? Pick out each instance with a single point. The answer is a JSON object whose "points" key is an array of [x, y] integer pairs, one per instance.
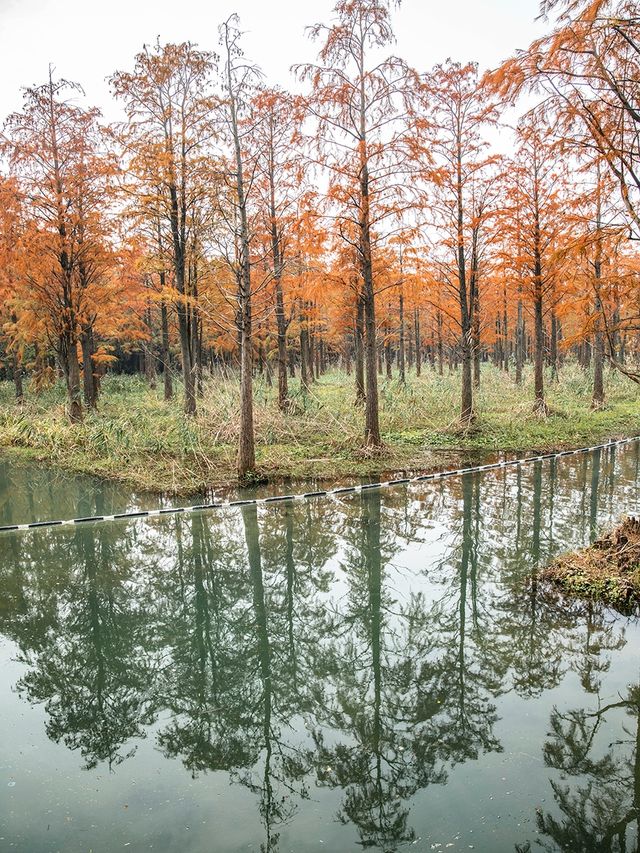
{"points": [[323, 493]]}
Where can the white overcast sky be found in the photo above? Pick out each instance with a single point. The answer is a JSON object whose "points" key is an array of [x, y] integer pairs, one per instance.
{"points": [[86, 40]]}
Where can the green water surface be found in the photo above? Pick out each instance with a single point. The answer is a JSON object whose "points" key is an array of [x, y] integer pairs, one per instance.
{"points": [[382, 672]]}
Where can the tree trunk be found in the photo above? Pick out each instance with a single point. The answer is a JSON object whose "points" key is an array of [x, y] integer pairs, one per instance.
{"points": [[539, 405], [246, 462], [554, 346], [89, 385], [359, 351], [466, 413], [597, 401], [505, 329], [387, 354], [347, 355], [17, 377], [465, 300], [401, 355], [278, 262], [476, 338], [246, 446], [311, 353], [149, 355], [304, 356], [283, 385], [166, 357], [371, 417], [187, 366], [519, 342], [72, 374], [178, 233], [372, 425]]}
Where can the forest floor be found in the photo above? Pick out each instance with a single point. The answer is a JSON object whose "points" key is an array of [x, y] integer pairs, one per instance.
{"points": [[138, 438], [607, 571]]}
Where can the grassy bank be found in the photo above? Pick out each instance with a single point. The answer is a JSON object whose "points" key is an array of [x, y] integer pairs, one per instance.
{"points": [[607, 571], [138, 438]]}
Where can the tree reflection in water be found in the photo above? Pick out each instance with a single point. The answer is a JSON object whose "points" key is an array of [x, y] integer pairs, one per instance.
{"points": [[600, 813], [362, 648]]}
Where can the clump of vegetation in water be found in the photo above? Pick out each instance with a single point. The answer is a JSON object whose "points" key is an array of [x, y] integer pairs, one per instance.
{"points": [[608, 570]]}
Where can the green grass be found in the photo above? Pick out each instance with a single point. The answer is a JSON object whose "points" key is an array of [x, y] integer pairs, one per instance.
{"points": [[138, 438]]}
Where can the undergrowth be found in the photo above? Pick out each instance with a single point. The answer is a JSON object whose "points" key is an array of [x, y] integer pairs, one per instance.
{"points": [[137, 437]]}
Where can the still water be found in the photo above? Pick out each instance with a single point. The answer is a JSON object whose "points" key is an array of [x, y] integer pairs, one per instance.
{"points": [[380, 672]]}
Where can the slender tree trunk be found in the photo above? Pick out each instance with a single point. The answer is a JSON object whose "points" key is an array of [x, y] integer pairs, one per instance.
{"points": [[187, 366], [283, 385], [86, 342], [267, 369], [371, 417], [540, 405], [318, 356], [372, 424], [465, 299], [278, 263], [323, 356], [347, 355], [166, 358], [246, 462], [416, 325], [466, 413], [387, 354], [554, 346], [197, 349], [466, 339], [519, 341], [618, 349], [597, 401], [311, 352], [476, 337], [17, 369], [178, 232], [401, 354], [505, 329], [246, 447], [17, 377], [304, 356], [359, 351], [260, 356], [149, 356]]}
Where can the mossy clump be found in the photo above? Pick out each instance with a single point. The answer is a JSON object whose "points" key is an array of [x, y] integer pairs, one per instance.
{"points": [[607, 571]]}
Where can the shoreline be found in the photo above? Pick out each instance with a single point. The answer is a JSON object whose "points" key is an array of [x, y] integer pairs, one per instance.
{"points": [[323, 471], [137, 439]]}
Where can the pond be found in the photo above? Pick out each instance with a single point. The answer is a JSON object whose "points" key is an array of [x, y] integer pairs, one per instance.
{"points": [[381, 671]]}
